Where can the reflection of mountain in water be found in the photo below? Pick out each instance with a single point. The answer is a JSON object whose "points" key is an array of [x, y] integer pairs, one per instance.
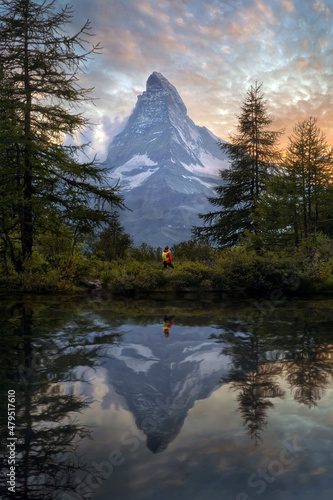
{"points": [[161, 378]]}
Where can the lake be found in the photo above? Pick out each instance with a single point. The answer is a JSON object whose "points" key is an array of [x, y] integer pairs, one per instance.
{"points": [[167, 397]]}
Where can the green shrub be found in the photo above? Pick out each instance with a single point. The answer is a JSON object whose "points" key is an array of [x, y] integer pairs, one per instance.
{"points": [[37, 282], [192, 251], [145, 253]]}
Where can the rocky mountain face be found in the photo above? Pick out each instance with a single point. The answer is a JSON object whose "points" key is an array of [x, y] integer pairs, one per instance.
{"points": [[167, 167]]}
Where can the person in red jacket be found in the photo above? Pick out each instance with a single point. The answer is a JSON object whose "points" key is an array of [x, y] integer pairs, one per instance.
{"points": [[167, 258]]}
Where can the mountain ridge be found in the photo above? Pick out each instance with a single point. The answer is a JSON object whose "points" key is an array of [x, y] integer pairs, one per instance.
{"points": [[167, 166]]}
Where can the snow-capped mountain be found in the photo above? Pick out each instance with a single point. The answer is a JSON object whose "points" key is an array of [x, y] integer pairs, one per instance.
{"points": [[167, 166]]}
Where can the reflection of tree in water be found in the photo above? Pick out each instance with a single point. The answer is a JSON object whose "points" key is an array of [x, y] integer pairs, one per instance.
{"points": [[296, 345], [308, 357], [253, 377], [36, 361], [309, 375], [254, 397]]}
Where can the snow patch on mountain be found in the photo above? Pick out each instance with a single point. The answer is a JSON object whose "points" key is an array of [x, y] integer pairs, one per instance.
{"points": [[137, 180], [138, 160], [208, 185], [212, 164], [134, 172]]}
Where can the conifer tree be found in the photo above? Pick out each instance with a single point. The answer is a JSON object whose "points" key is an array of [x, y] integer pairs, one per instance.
{"points": [[42, 180], [253, 151], [308, 161], [299, 199], [9, 136], [112, 242]]}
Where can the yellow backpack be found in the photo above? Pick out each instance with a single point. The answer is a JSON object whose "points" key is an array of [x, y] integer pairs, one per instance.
{"points": [[165, 256]]}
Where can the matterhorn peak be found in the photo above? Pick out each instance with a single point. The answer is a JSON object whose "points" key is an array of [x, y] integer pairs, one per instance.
{"points": [[160, 102], [157, 82], [166, 165]]}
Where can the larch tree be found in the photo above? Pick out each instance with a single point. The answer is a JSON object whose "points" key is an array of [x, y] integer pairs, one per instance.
{"points": [[299, 198], [253, 151], [308, 162], [43, 182]]}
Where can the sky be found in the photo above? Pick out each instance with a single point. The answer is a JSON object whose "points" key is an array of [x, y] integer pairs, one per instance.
{"points": [[212, 51]]}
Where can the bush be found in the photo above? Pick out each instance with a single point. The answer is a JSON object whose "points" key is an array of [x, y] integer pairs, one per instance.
{"points": [[145, 253], [39, 275], [192, 251], [36, 282], [240, 269]]}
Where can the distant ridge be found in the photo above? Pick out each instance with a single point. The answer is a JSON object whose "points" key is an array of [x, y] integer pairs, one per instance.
{"points": [[167, 166]]}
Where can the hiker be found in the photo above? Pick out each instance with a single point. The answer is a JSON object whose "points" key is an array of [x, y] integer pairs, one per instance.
{"points": [[167, 258]]}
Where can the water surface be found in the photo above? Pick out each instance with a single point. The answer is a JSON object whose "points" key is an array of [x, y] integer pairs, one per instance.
{"points": [[170, 398]]}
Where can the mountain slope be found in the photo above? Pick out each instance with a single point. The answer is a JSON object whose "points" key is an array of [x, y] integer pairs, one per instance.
{"points": [[167, 166]]}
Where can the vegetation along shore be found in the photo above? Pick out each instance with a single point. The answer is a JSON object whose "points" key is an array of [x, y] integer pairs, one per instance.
{"points": [[198, 268]]}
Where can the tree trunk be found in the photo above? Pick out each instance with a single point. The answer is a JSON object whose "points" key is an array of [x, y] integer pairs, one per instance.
{"points": [[26, 216]]}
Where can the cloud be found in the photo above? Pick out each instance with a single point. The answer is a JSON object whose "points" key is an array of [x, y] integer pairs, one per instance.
{"points": [[212, 51], [320, 6], [288, 5]]}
